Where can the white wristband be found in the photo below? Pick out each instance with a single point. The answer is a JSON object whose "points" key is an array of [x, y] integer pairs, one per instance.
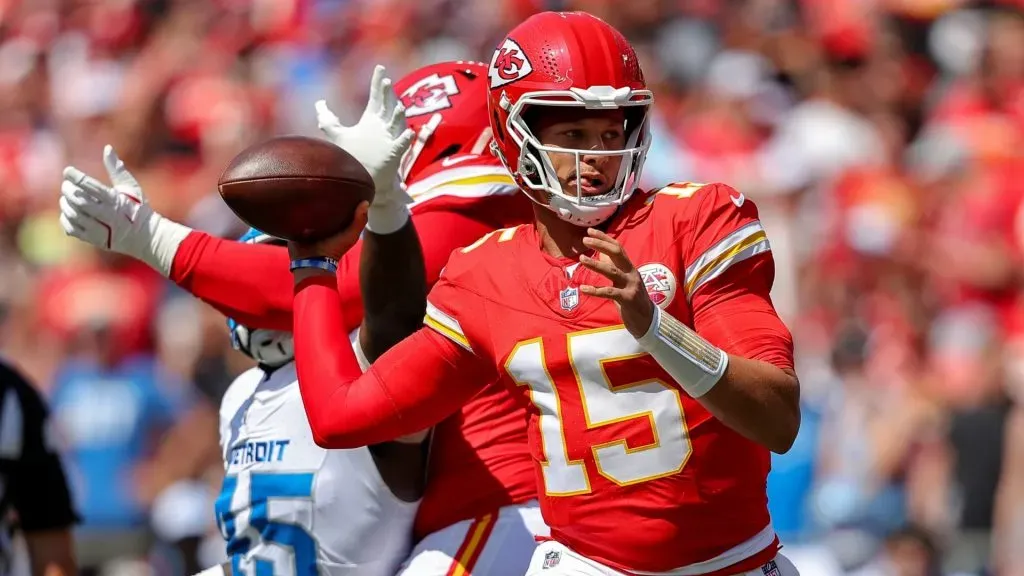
{"points": [[387, 218], [691, 360], [157, 243]]}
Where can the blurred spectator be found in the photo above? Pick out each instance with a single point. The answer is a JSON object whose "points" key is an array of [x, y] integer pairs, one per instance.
{"points": [[962, 473], [109, 409], [910, 551], [1008, 529]]}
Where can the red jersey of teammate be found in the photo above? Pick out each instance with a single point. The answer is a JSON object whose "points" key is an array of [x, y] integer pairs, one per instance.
{"points": [[478, 461], [634, 473]]}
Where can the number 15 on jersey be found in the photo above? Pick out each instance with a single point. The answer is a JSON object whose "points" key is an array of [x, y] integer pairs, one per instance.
{"points": [[607, 396], [268, 533]]}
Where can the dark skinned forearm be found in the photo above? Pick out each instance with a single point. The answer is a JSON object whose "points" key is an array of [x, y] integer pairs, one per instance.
{"points": [[392, 279]]}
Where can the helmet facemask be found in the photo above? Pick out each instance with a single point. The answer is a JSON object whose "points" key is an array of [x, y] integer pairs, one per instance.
{"points": [[537, 172], [271, 348]]}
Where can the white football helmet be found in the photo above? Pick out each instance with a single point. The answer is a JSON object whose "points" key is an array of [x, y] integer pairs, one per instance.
{"points": [[271, 348]]}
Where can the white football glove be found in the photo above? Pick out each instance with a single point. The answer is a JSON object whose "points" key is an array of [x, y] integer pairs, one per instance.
{"points": [[378, 141], [118, 218]]}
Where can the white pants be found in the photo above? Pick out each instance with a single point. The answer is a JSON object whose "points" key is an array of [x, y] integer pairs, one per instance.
{"points": [[499, 544], [554, 559]]}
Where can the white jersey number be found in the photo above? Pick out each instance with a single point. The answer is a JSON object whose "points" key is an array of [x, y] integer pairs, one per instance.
{"points": [[604, 402], [246, 523]]}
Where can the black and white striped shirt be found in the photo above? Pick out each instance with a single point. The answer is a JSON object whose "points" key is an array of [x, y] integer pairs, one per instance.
{"points": [[34, 492]]}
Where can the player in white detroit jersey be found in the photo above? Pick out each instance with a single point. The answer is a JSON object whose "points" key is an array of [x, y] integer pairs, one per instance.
{"points": [[289, 507]]}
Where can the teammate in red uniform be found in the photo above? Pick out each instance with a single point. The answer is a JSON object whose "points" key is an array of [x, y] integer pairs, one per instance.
{"points": [[654, 392], [479, 510]]}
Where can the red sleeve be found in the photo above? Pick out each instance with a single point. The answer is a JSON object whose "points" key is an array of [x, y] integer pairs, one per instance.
{"points": [[419, 382], [735, 313], [729, 278], [251, 283]]}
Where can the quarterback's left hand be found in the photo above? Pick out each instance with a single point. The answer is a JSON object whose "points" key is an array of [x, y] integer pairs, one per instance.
{"points": [[627, 289]]}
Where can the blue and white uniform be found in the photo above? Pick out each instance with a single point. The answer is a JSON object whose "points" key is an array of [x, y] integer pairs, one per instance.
{"points": [[287, 506]]}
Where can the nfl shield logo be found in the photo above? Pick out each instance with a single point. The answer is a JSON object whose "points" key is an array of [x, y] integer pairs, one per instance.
{"points": [[569, 298], [551, 559], [770, 569]]}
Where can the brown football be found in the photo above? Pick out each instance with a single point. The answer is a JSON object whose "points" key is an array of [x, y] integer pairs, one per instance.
{"points": [[296, 188]]}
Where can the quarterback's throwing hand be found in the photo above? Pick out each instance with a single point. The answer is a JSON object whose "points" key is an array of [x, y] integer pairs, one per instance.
{"points": [[627, 289], [333, 246]]}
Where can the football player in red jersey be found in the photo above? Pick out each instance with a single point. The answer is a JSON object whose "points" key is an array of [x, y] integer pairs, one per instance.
{"points": [[479, 510], [637, 328]]}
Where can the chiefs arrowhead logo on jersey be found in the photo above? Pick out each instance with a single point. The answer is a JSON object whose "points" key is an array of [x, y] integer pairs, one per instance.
{"points": [[659, 282], [508, 64], [429, 95]]}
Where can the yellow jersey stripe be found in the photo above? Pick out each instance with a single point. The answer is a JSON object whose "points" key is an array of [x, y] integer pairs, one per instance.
{"points": [[472, 546], [446, 326], [751, 246], [479, 180], [447, 332], [724, 245]]}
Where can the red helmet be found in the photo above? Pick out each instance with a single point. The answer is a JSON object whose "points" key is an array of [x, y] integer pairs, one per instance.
{"points": [[567, 59], [445, 104]]}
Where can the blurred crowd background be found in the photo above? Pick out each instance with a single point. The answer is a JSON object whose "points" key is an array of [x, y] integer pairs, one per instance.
{"points": [[882, 139]]}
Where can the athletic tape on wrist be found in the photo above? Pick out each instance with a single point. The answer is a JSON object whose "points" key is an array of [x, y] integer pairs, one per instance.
{"points": [[692, 361], [387, 218], [321, 262], [156, 243]]}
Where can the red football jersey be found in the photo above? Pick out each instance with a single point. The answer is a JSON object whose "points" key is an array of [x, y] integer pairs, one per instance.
{"points": [[478, 457], [632, 471]]}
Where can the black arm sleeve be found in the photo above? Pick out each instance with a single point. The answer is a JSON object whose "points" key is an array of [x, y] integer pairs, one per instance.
{"points": [[38, 488]]}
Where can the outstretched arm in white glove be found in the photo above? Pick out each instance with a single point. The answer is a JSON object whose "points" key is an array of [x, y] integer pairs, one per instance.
{"points": [[378, 141], [118, 217]]}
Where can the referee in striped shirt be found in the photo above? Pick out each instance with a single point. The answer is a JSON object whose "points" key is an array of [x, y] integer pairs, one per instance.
{"points": [[34, 495]]}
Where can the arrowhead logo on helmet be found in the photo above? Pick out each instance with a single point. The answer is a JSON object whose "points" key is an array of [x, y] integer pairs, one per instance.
{"points": [[429, 95], [446, 105], [508, 64]]}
